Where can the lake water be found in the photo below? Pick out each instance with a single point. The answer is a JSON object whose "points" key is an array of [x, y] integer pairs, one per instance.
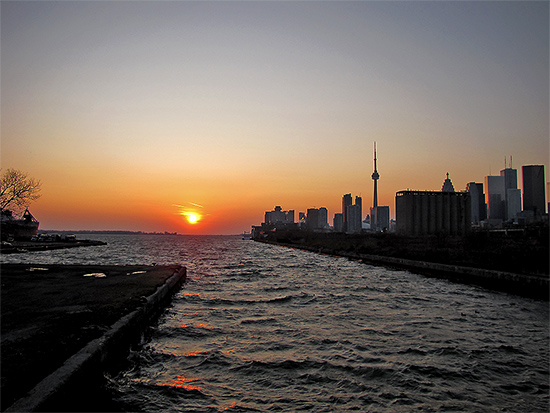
{"points": [[265, 328]]}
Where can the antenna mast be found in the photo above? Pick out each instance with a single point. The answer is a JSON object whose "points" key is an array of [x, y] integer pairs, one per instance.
{"points": [[375, 177]]}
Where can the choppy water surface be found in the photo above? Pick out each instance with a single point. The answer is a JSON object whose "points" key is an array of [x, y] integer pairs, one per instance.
{"points": [[266, 328]]}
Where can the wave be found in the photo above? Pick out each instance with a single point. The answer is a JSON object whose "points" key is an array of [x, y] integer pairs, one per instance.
{"points": [[300, 299], [260, 320]]}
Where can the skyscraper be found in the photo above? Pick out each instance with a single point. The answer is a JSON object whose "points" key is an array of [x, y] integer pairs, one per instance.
{"points": [[495, 197], [338, 222], [512, 203], [323, 218], [479, 209], [346, 201], [533, 189], [312, 220], [352, 221], [354, 224]]}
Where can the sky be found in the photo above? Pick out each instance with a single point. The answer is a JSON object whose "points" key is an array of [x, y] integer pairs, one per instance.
{"points": [[135, 115]]}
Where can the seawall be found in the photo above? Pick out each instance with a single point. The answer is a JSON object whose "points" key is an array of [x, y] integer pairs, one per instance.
{"points": [[60, 390], [534, 286]]}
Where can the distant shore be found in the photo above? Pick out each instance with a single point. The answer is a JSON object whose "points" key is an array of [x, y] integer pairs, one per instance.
{"points": [[15, 247]]}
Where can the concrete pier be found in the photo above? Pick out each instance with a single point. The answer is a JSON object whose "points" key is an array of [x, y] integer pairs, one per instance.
{"points": [[64, 326]]}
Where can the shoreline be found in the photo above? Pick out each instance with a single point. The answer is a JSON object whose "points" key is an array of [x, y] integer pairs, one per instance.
{"points": [[533, 286], [21, 247]]}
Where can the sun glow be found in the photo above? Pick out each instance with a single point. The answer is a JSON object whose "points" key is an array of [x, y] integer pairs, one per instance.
{"points": [[193, 218]]}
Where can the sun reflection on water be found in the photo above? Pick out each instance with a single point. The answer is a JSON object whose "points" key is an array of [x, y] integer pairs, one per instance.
{"points": [[182, 382]]}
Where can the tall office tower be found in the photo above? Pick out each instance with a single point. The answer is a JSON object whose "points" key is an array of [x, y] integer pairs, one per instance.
{"points": [[479, 209], [312, 219], [338, 222], [533, 189], [355, 223], [511, 207], [346, 201], [323, 217], [359, 202], [513, 203], [510, 178], [495, 198]]}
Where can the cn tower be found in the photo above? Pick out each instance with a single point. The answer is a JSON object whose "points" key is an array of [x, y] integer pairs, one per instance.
{"points": [[375, 177]]}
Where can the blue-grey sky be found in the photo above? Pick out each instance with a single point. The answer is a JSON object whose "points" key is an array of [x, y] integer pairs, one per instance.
{"points": [[240, 106]]}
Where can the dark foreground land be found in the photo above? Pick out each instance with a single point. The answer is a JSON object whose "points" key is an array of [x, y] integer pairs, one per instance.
{"points": [[48, 313]]}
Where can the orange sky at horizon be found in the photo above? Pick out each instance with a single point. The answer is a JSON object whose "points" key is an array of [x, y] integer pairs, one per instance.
{"points": [[131, 113]]}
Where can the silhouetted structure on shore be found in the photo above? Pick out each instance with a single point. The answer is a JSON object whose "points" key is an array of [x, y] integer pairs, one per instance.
{"points": [[433, 212], [18, 229], [533, 189], [379, 215], [278, 216], [477, 197], [496, 205], [352, 213]]}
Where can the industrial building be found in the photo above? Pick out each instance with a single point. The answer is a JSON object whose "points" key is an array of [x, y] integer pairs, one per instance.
{"points": [[433, 212]]}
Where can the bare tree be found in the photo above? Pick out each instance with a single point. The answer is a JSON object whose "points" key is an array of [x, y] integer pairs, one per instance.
{"points": [[17, 190]]}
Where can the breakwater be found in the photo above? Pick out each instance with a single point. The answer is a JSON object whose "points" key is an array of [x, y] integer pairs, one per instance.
{"points": [[536, 286]]}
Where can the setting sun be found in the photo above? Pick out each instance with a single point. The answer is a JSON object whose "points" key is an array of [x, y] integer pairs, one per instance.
{"points": [[192, 218]]}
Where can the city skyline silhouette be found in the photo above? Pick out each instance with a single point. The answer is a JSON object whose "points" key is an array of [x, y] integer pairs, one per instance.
{"points": [[197, 117]]}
